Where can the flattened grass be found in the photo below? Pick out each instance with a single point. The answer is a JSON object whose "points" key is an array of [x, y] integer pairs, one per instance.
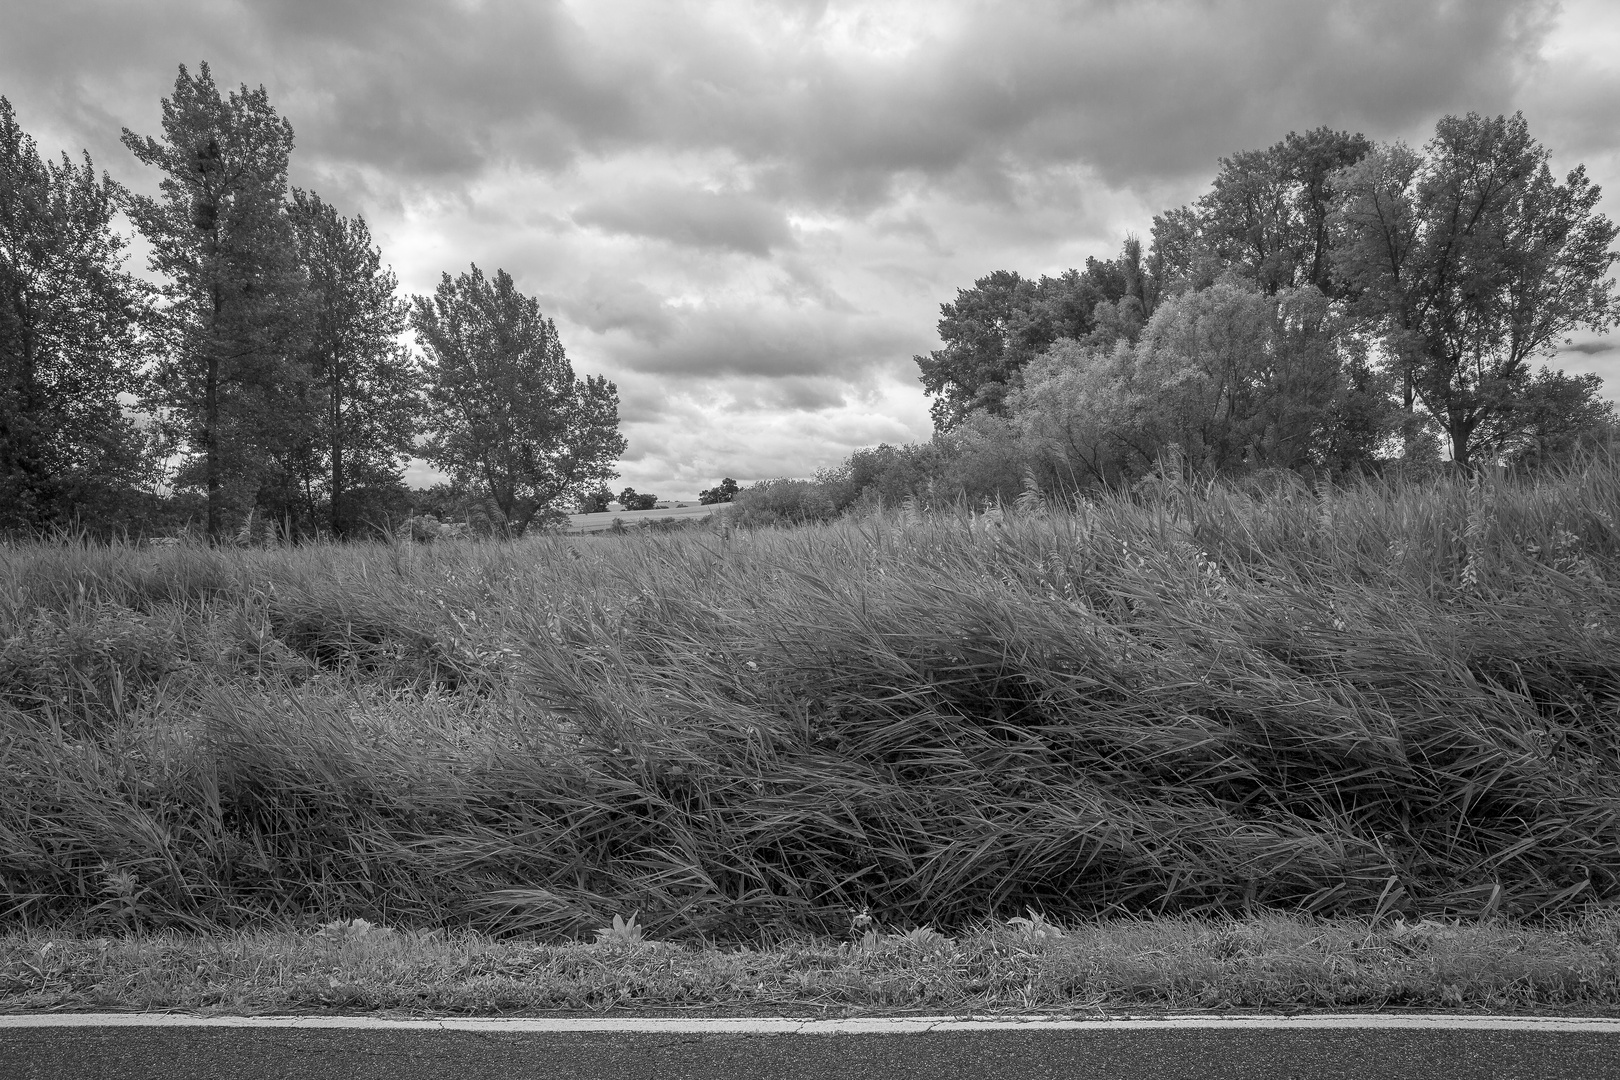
{"points": [[1391, 699]]}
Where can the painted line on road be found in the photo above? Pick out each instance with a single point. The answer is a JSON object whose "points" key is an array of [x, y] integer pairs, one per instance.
{"points": [[873, 1025]]}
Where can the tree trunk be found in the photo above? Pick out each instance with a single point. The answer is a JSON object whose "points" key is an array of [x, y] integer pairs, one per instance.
{"points": [[213, 466], [340, 521]]}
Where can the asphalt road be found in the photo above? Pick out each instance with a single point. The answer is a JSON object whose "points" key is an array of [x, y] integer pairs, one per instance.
{"points": [[1027, 1052]]}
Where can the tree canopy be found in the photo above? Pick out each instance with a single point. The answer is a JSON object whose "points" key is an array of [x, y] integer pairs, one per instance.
{"points": [[267, 371], [1265, 218], [994, 329], [506, 411], [232, 288], [71, 339], [1327, 304], [365, 385], [723, 492], [1472, 259]]}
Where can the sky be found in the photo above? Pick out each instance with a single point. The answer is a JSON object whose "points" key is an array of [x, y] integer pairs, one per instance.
{"points": [[748, 214]]}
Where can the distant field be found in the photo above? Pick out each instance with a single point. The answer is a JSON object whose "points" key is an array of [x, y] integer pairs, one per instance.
{"points": [[630, 518], [1209, 699]]}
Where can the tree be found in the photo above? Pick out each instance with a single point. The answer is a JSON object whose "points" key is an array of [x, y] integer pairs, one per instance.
{"points": [[1265, 217], [231, 317], [595, 502], [1552, 416], [723, 492], [631, 500], [1078, 414], [505, 408], [367, 384], [1230, 377], [1474, 260], [995, 328], [70, 341]]}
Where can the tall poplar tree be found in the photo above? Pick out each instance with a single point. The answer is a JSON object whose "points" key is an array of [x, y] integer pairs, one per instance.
{"points": [[222, 238], [366, 382], [70, 339]]}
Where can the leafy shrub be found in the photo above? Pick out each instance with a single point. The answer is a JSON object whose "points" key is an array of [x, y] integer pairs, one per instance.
{"points": [[783, 502]]}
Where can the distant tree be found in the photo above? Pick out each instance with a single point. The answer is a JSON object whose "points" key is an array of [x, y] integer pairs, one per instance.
{"points": [[506, 412], [1552, 416], [595, 502], [445, 501], [366, 384], [1473, 260], [980, 461], [232, 316], [723, 492], [70, 340], [987, 341], [630, 500], [995, 328], [1079, 415], [1239, 379], [1230, 378], [1265, 217]]}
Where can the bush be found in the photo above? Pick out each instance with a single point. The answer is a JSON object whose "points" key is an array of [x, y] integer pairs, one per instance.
{"points": [[783, 502]]}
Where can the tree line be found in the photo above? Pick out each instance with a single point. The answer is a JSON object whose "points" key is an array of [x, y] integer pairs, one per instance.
{"points": [[1330, 305], [263, 377], [1330, 308]]}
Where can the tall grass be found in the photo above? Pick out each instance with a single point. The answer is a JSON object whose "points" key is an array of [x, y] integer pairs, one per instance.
{"points": [[1402, 697]]}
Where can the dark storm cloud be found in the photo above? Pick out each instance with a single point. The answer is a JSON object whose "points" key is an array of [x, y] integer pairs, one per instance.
{"points": [[701, 219], [1590, 348], [1138, 91], [797, 393], [420, 88], [428, 90], [603, 305], [766, 341], [432, 89]]}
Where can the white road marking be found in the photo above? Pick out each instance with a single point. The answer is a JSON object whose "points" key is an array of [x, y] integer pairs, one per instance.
{"points": [[874, 1025]]}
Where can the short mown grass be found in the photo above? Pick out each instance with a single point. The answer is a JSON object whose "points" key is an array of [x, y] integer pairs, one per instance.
{"points": [[1205, 700], [1265, 962]]}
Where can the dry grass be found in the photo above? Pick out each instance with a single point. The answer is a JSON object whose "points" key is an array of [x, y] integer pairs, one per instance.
{"points": [[1211, 700]]}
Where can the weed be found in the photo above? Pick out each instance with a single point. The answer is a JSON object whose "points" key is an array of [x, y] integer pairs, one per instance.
{"points": [[622, 934]]}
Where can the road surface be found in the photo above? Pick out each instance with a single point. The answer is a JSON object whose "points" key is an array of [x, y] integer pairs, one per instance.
{"points": [[130, 1047]]}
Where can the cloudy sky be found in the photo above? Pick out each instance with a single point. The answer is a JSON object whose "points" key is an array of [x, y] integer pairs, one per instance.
{"points": [[747, 214]]}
